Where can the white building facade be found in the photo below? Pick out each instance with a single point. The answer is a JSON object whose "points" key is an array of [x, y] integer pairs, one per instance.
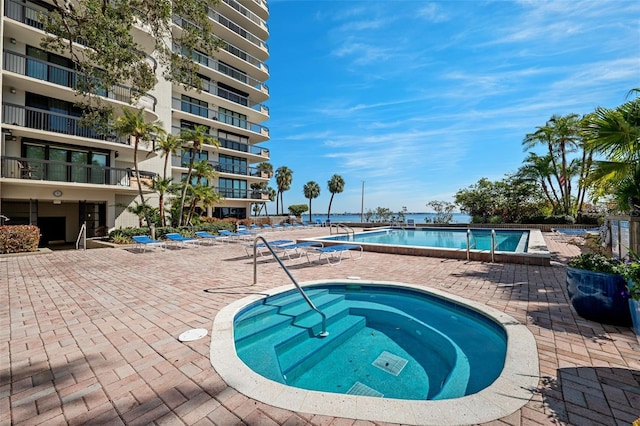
{"points": [[58, 174]]}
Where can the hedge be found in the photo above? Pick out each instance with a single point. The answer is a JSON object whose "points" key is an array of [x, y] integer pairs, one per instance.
{"points": [[19, 238]]}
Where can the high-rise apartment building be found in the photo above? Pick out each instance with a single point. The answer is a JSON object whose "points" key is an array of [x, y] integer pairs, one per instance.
{"points": [[57, 173]]}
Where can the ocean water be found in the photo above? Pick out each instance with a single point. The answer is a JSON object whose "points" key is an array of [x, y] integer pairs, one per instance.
{"points": [[356, 218]]}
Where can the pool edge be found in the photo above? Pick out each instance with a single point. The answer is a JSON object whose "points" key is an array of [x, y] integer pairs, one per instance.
{"points": [[514, 387], [537, 253]]}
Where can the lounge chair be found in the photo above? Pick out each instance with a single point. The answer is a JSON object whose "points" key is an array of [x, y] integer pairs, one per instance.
{"points": [[234, 236], [179, 240], [298, 248], [206, 237], [261, 248], [267, 227], [411, 223], [334, 252], [144, 241]]}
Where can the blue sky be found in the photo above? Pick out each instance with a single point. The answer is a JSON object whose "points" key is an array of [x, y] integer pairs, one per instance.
{"points": [[421, 99]]}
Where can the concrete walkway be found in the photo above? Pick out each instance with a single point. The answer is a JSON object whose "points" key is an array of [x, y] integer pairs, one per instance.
{"points": [[90, 337]]}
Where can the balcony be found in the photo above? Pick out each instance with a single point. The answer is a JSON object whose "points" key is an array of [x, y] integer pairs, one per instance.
{"points": [[232, 73], [57, 171], [215, 90], [52, 73], [237, 29], [210, 114], [232, 145], [244, 194], [29, 13], [249, 15], [48, 121], [238, 53]]}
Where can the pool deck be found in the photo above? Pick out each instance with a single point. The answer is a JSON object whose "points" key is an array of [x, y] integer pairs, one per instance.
{"points": [[90, 337]]}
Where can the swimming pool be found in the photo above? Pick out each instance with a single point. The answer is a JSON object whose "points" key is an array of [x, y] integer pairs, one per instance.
{"points": [[526, 246], [471, 374]]}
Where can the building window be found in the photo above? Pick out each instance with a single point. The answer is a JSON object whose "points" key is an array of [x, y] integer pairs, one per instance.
{"points": [[231, 117], [236, 165], [233, 141], [226, 212], [65, 163], [194, 106], [232, 188]]}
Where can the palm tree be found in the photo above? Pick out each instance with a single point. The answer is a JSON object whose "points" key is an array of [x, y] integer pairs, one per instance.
{"points": [[537, 168], [272, 196], [561, 135], [284, 178], [615, 134], [132, 123], [336, 186], [168, 146], [266, 168], [201, 194], [161, 185], [197, 137], [311, 190]]}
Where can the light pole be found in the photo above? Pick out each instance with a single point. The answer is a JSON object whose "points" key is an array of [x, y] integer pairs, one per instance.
{"points": [[362, 205]]}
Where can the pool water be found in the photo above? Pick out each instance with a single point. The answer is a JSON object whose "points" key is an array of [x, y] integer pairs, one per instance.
{"points": [[383, 341], [514, 241]]}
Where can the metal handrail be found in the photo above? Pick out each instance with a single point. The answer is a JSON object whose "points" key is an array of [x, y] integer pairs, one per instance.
{"points": [[468, 243], [82, 235], [339, 226], [493, 243], [324, 332]]}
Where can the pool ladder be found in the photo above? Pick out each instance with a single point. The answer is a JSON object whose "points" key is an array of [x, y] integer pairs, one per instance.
{"points": [[493, 244], [324, 332], [348, 230]]}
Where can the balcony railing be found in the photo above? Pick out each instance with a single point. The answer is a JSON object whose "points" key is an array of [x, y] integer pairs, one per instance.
{"points": [[246, 12], [48, 121], [235, 51], [202, 111], [177, 161], [241, 193], [52, 73], [216, 65], [234, 145], [34, 169], [233, 97], [236, 28]]}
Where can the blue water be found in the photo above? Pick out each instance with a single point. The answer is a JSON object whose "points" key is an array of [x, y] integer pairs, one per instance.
{"points": [[479, 239], [383, 341], [419, 218]]}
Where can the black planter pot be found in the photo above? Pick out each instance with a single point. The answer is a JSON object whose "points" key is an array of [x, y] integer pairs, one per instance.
{"points": [[597, 296]]}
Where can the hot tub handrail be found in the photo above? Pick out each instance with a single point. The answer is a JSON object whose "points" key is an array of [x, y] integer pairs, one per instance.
{"points": [[324, 332], [468, 243]]}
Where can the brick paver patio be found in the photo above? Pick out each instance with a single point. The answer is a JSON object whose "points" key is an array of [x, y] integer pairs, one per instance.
{"points": [[90, 337]]}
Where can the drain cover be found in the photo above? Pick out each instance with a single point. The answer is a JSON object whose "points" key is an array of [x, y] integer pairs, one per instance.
{"points": [[193, 334], [390, 363], [363, 390]]}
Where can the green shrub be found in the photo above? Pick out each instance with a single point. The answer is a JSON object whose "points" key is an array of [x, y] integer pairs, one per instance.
{"points": [[560, 220], [125, 235], [19, 238], [596, 262]]}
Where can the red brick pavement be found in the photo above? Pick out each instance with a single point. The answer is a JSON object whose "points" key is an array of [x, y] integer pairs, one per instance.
{"points": [[90, 337]]}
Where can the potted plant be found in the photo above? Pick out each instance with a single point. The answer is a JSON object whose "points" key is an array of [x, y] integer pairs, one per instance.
{"points": [[597, 288], [631, 273]]}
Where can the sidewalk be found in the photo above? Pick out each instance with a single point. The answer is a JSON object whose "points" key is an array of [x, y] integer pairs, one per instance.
{"points": [[90, 337]]}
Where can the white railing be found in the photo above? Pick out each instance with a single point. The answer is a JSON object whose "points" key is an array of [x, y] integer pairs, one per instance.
{"points": [[82, 237]]}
